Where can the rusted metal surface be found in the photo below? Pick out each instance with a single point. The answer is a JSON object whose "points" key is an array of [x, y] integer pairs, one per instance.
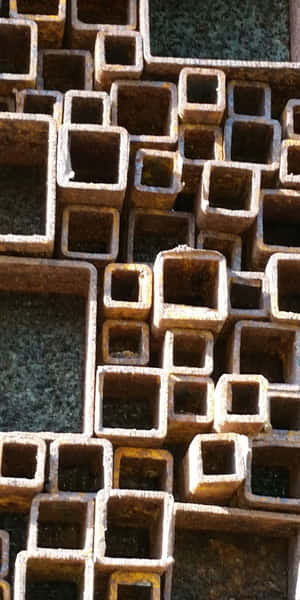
{"points": [[50, 21], [118, 55], [90, 233], [87, 107], [41, 102], [125, 343]]}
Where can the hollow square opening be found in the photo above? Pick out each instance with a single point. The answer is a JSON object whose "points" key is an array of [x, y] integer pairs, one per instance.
{"points": [[218, 458], [157, 232], [133, 528], [244, 398], [288, 287], [252, 142], [43, 338], [90, 232], [63, 72], [142, 591], [189, 351], [38, 7], [285, 413], [87, 110], [157, 171], [61, 590], [54, 580], [39, 103], [61, 525], [95, 156], [120, 50], [198, 282], [125, 285], [18, 460], [80, 468], [240, 572], [199, 143], [246, 296], [275, 471], [293, 160], [281, 220], [104, 12], [190, 397], [249, 100], [15, 48], [130, 400], [226, 247], [230, 189], [23, 177], [296, 119], [144, 110], [267, 352], [142, 474], [202, 89], [125, 341]]}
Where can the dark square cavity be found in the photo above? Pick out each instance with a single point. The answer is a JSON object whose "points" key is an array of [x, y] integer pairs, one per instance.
{"points": [[18, 460], [218, 458], [285, 413], [39, 103], [80, 469], [87, 110], [202, 89], [133, 528], [275, 471], [104, 12], [120, 50], [199, 143], [64, 72], [157, 171], [296, 115], [61, 525], [190, 398], [189, 351], [252, 142], [95, 156], [144, 110], [230, 189], [293, 160], [130, 401], [142, 474], [125, 286], [266, 352], [14, 48], [198, 282], [125, 341], [245, 296], [135, 592], [90, 232], [249, 100], [281, 220], [38, 7], [52, 590], [288, 286], [245, 397], [155, 233]]}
